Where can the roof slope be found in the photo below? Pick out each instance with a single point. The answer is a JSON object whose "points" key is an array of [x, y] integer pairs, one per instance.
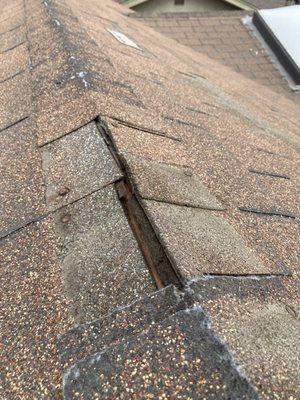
{"points": [[261, 4], [224, 37], [178, 122]]}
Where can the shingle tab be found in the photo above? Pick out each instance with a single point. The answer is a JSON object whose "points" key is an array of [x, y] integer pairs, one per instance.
{"points": [[14, 107], [260, 325], [118, 326], [102, 266], [12, 39], [169, 184], [13, 61], [21, 180], [77, 165], [178, 358], [202, 242]]}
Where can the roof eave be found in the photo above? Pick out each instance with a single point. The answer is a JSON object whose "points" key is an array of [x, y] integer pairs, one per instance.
{"points": [[243, 5], [133, 3]]}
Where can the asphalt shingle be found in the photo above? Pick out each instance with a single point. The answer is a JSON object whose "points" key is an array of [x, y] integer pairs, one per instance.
{"points": [[211, 245], [200, 366], [259, 323], [102, 266], [21, 180], [119, 326], [224, 37], [160, 182], [163, 102], [77, 165]]}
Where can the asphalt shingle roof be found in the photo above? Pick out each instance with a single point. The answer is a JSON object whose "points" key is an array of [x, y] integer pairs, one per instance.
{"points": [[224, 37], [80, 111], [261, 4]]}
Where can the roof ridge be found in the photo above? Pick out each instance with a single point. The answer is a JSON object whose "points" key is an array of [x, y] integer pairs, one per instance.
{"points": [[76, 66]]}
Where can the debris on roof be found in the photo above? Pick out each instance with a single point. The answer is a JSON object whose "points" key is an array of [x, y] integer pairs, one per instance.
{"points": [[128, 169]]}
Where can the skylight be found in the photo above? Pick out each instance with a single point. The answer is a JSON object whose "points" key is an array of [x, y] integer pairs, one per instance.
{"points": [[280, 27]]}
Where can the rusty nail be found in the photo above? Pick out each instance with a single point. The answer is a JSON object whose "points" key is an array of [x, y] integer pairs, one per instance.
{"points": [[65, 218], [291, 310], [188, 173], [63, 191]]}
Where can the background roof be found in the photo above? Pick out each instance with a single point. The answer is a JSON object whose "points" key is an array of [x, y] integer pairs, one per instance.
{"points": [[225, 37]]}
